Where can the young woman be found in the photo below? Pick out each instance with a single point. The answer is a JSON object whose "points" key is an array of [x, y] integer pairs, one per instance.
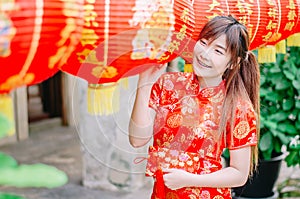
{"points": [[194, 116]]}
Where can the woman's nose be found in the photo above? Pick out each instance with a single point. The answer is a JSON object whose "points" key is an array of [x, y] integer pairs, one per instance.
{"points": [[204, 54]]}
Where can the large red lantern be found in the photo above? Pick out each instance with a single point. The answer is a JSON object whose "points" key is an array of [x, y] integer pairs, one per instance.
{"points": [[37, 36], [117, 38], [268, 21]]}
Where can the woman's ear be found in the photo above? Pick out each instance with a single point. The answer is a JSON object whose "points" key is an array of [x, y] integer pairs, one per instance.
{"points": [[239, 60], [238, 63], [230, 66]]}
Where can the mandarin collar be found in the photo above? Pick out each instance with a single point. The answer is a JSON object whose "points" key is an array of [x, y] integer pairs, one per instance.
{"points": [[209, 92]]}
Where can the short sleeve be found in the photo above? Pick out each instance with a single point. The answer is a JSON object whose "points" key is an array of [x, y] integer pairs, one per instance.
{"points": [[244, 131], [155, 94]]}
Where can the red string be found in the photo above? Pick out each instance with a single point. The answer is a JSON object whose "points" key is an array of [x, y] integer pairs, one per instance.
{"points": [[140, 159], [160, 185]]}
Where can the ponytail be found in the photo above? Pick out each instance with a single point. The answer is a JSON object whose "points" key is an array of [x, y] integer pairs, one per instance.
{"points": [[242, 83], [250, 75]]}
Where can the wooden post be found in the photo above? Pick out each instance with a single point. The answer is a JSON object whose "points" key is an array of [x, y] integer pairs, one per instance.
{"points": [[70, 102], [21, 113]]}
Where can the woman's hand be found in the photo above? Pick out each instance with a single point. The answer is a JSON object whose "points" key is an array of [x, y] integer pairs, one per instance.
{"points": [[149, 76], [176, 178]]}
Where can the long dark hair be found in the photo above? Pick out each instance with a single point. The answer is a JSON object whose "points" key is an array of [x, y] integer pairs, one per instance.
{"points": [[243, 75]]}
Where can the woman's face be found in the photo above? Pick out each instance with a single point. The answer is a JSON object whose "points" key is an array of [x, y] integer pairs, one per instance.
{"points": [[211, 59]]}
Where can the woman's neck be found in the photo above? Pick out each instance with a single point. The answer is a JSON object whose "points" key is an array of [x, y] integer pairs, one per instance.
{"points": [[208, 82]]}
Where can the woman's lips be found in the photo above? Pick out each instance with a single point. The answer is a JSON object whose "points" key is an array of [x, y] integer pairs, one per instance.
{"points": [[203, 64]]}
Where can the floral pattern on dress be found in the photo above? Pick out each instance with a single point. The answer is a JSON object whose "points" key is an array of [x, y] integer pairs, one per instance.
{"points": [[186, 132]]}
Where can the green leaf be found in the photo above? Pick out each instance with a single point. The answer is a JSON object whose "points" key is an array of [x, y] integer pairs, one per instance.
{"points": [[283, 138], [290, 158], [9, 196], [262, 79], [288, 128], [270, 124], [283, 84], [265, 142], [297, 104], [277, 145], [297, 125], [7, 161], [298, 73], [279, 116], [263, 92], [272, 96], [274, 132], [288, 104], [37, 175], [289, 75], [275, 69], [296, 84], [276, 77]]}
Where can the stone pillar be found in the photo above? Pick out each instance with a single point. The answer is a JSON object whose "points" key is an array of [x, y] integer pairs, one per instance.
{"points": [[108, 158]]}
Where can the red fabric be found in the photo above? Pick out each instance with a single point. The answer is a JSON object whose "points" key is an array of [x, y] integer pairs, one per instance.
{"points": [[186, 128], [160, 187]]}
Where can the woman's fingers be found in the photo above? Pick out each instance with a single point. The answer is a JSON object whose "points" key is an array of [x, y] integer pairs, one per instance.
{"points": [[151, 74]]}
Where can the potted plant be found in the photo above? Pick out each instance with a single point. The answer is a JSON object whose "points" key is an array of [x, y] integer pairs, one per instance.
{"points": [[279, 125]]}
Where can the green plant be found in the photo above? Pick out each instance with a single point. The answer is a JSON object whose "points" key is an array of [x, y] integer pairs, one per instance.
{"points": [[10, 196], [29, 175], [280, 107], [25, 175]]}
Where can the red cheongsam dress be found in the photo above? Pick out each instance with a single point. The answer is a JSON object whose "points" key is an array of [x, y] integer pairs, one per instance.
{"points": [[185, 133]]}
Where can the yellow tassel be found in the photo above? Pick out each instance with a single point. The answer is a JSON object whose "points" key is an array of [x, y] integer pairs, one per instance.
{"points": [[124, 82], [294, 40], [281, 47], [103, 99], [267, 54], [7, 117], [188, 68]]}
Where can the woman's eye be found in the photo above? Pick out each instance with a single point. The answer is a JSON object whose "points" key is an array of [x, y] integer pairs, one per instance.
{"points": [[219, 52], [202, 42]]}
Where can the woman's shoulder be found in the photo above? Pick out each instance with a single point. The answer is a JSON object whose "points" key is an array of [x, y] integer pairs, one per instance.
{"points": [[245, 107], [243, 103]]}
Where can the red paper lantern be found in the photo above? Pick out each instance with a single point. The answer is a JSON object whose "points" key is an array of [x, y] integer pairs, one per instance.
{"points": [[118, 37], [268, 21], [36, 38], [117, 40], [285, 25]]}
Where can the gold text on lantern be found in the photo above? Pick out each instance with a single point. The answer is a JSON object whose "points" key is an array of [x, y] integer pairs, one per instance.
{"points": [[291, 16], [174, 45], [68, 35], [214, 8], [89, 36]]}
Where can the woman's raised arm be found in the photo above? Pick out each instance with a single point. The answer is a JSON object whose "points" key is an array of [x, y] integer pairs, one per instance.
{"points": [[141, 121]]}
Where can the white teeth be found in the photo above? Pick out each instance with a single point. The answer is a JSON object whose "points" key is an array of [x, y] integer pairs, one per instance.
{"points": [[204, 65]]}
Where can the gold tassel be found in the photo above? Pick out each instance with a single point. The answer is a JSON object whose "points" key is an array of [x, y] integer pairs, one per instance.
{"points": [[103, 99], [7, 116], [188, 68], [281, 47], [267, 54], [124, 82], [294, 40]]}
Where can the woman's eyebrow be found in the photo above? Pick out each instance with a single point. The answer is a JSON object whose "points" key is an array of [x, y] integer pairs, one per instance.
{"points": [[221, 46]]}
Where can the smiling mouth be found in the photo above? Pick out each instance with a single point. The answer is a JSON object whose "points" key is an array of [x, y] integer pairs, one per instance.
{"points": [[203, 64]]}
